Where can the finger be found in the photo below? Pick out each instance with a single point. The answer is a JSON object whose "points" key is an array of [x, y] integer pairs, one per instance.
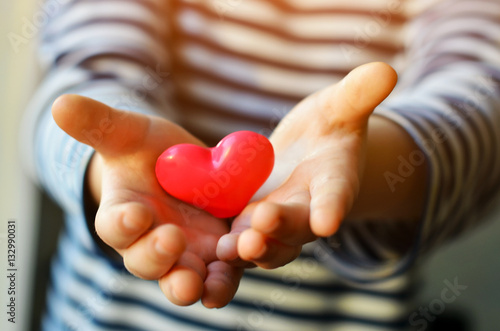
{"points": [[221, 284], [120, 225], [265, 252], [227, 246], [106, 129], [334, 186], [345, 106], [330, 202], [285, 217], [287, 223], [155, 253], [350, 103], [183, 285], [227, 251]]}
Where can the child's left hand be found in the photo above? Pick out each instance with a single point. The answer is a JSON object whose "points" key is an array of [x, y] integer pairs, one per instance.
{"points": [[325, 137]]}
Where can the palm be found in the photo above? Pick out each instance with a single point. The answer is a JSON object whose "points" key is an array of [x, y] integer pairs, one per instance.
{"points": [[158, 236], [320, 158], [131, 177]]}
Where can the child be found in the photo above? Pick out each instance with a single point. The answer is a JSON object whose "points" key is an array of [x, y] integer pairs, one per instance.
{"points": [[379, 190]]}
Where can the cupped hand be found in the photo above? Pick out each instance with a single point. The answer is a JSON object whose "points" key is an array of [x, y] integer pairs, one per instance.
{"points": [[320, 152], [159, 237]]}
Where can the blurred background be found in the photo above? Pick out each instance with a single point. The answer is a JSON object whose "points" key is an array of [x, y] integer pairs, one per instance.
{"points": [[18, 197], [472, 261]]}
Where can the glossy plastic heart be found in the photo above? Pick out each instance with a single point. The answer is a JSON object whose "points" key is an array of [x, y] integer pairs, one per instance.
{"points": [[220, 180]]}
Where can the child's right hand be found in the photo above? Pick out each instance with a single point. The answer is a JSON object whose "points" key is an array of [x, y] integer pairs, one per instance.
{"points": [[158, 236]]}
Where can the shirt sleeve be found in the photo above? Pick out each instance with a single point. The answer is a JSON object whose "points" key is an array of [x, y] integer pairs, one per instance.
{"points": [[112, 51], [448, 100]]}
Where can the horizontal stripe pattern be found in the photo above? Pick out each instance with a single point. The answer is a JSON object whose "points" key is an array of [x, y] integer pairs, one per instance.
{"points": [[302, 295], [220, 66], [448, 100], [273, 56]]}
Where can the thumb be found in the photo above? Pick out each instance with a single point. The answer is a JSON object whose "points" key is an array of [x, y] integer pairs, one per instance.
{"points": [[351, 101], [106, 129]]}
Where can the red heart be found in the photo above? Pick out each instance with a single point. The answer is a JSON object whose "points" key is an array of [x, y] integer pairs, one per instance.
{"points": [[220, 180]]}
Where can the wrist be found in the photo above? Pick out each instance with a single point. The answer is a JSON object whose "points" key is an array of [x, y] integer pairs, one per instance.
{"points": [[388, 145]]}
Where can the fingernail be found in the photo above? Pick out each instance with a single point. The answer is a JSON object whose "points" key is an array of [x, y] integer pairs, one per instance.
{"points": [[130, 224], [160, 249], [172, 292], [262, 251], [227, 247]]}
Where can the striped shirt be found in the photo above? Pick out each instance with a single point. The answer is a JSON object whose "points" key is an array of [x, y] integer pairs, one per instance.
{"points": [[224, 65]]}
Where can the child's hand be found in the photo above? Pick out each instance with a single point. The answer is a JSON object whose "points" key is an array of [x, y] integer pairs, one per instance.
{"points": [[158, 236], [320, 153]]}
